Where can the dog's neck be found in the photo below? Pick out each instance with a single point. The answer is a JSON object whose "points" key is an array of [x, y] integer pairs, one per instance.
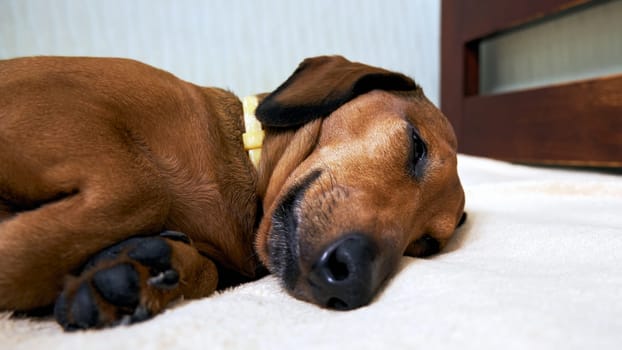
{"points": [[253, 135], [274, 152]]}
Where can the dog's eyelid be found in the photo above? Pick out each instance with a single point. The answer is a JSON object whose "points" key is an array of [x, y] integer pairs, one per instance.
{"points": [[415, 136], [417, 153]]}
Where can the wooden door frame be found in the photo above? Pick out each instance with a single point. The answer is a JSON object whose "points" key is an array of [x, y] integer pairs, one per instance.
{"points": [[573, 123]]}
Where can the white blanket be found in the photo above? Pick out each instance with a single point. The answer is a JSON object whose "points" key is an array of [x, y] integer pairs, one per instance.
{"points": [[538, 265]]}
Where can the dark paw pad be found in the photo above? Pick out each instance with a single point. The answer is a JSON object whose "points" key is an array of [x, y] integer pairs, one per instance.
{"points": [[79, 312], [120, 285], [152, 252]]}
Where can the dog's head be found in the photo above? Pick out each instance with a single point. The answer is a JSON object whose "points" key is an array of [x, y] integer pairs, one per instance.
{"points": [[358, 169]]}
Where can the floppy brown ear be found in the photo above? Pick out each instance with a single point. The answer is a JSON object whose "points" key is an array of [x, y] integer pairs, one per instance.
{"points": [[322, 84]]}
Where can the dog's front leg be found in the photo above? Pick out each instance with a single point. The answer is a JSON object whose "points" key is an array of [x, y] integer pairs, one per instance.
{"points": [[133, 281]]}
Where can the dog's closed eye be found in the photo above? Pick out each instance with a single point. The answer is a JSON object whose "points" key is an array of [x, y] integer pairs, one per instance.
{"points": [[417, 154]]}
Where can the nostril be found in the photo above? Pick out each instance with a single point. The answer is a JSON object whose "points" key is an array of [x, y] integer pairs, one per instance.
{"points": [[337, 304], [338, 269]]}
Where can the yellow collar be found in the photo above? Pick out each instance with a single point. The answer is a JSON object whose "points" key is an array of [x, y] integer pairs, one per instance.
{"points": [[254, 134]]}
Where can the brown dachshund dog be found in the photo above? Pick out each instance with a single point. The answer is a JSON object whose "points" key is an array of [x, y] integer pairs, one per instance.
{"points": [[105, 162]]}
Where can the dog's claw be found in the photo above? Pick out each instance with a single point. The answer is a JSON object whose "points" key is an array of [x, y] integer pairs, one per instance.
{"points": [[140, 314], [166, 280]]}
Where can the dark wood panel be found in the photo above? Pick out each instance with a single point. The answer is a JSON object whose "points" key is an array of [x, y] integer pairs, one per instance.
{"points": [[577, 123], [481, 18], [471, 68], [452, 74]]}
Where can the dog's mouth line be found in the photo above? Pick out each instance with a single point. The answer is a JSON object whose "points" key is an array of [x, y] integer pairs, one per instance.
{"points": [[283, 237], [289, 207]]}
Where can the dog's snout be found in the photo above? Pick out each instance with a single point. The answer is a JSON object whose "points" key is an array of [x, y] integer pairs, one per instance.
{"points": [[344, 277]]}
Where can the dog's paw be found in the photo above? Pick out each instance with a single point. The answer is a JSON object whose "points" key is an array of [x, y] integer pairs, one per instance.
{"points": [[123, 284]]}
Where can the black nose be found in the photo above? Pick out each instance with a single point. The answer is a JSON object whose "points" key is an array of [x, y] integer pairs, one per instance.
{"points": [[345, 276]]}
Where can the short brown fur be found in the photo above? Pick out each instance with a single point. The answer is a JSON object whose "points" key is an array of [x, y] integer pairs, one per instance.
{"points": [[95, 151]]}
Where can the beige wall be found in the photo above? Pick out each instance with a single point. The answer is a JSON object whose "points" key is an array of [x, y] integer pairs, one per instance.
{"points": [[246, 46]]}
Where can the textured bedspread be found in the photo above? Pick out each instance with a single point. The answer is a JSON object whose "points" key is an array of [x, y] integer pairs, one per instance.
{"points": [[538, 265]]}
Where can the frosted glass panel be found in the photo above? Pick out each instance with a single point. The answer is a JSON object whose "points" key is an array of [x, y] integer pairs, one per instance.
{"points": [[578, 44]]}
